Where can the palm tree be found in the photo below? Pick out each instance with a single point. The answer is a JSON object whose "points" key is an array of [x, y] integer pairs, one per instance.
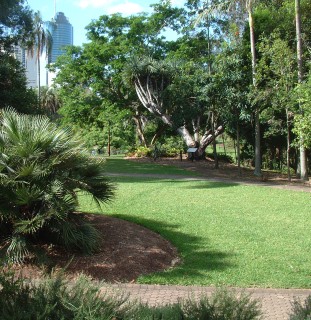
{"points": [[41, 40], [50, 101], [43, 169]]}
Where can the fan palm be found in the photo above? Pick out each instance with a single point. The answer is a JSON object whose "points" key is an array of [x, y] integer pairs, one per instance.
{"points": [[42, 171]]}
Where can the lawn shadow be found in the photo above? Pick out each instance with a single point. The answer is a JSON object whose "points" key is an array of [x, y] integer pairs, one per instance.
{"points": [[213, 185], [195, 258], [193, 183], [130, 167]]}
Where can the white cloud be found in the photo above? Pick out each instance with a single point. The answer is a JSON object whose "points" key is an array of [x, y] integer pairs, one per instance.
{"points": [[126, 8], [112, 6], [94, 3]]}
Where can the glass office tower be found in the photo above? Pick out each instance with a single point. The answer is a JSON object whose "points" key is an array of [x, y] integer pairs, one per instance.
{"points": [[62, 35]]}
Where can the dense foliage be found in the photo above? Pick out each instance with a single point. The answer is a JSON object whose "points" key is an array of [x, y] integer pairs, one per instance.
{"points": [[131, 75], [13, 86], [15, 29], [42, 171]]}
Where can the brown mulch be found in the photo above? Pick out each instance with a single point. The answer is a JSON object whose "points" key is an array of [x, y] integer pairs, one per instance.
{"points": [[127, 250]]}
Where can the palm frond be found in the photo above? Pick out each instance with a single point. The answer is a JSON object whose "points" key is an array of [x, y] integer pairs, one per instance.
{"points": [[76, 234], [30, 226], [17, 250]]}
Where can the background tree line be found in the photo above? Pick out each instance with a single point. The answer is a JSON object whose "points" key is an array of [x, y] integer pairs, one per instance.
{"points": [[231, 66]]}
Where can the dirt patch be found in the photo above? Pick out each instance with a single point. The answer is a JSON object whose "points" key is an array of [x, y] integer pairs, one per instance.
{"points": [[125, 251]]}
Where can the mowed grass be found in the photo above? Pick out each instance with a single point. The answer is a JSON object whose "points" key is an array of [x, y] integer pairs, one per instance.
{"points": [[118, 165], [226, 234]]}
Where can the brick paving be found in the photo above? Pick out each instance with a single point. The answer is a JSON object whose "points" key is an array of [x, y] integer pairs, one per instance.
{"points": [[276, 304]]}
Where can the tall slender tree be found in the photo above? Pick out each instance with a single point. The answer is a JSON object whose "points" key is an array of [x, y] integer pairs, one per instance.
{"points": [[41, 41], [303, 158], [248, 5]]}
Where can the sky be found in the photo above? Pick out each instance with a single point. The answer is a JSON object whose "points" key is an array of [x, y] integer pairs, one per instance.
{"points": [[81, 12]]}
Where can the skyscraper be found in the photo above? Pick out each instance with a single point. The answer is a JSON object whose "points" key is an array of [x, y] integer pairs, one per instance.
{"points": [[62, 35], [29, 63]]}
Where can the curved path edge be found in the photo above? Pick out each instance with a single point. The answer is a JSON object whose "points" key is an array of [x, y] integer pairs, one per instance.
{"points": [[304, 188], [276, 304]]}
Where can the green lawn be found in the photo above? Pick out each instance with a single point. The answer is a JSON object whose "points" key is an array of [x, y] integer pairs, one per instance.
{"points": [[226, 234], [118, 165]]}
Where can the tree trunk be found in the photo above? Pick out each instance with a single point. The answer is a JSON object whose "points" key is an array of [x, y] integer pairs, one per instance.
{"points": [[257, 171], [216, 164], [223, 143], [139, 130], [158, 133], [184, 133], [303, 156], [288, 146], [39, 82], [196, 128], [207, 139], [238, 147]]}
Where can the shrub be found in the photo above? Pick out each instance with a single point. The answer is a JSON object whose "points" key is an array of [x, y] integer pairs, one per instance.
{"points": [[42, 171], [56, 298], [221, 157], [144, 312], [141, 152], [301, 311], [172, 147], [222, 305]]}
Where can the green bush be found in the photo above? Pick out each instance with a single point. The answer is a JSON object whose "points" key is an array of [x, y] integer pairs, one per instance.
{"points": [[222, 305], [221, 157], [301, 311], [172, 147], [56, 298], [141, 152], [42, 171]]}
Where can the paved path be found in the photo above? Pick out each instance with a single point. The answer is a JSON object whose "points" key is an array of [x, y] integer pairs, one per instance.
{"points": [[289, 186], [275, 303]]}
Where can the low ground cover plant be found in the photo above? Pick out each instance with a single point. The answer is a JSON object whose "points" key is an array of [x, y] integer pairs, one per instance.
{"points": [[56, 298], [42, 170], [301, 310]]}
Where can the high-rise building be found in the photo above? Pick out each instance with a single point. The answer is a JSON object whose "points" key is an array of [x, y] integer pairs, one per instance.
{"points": [[29, 63], [62, 35]]}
